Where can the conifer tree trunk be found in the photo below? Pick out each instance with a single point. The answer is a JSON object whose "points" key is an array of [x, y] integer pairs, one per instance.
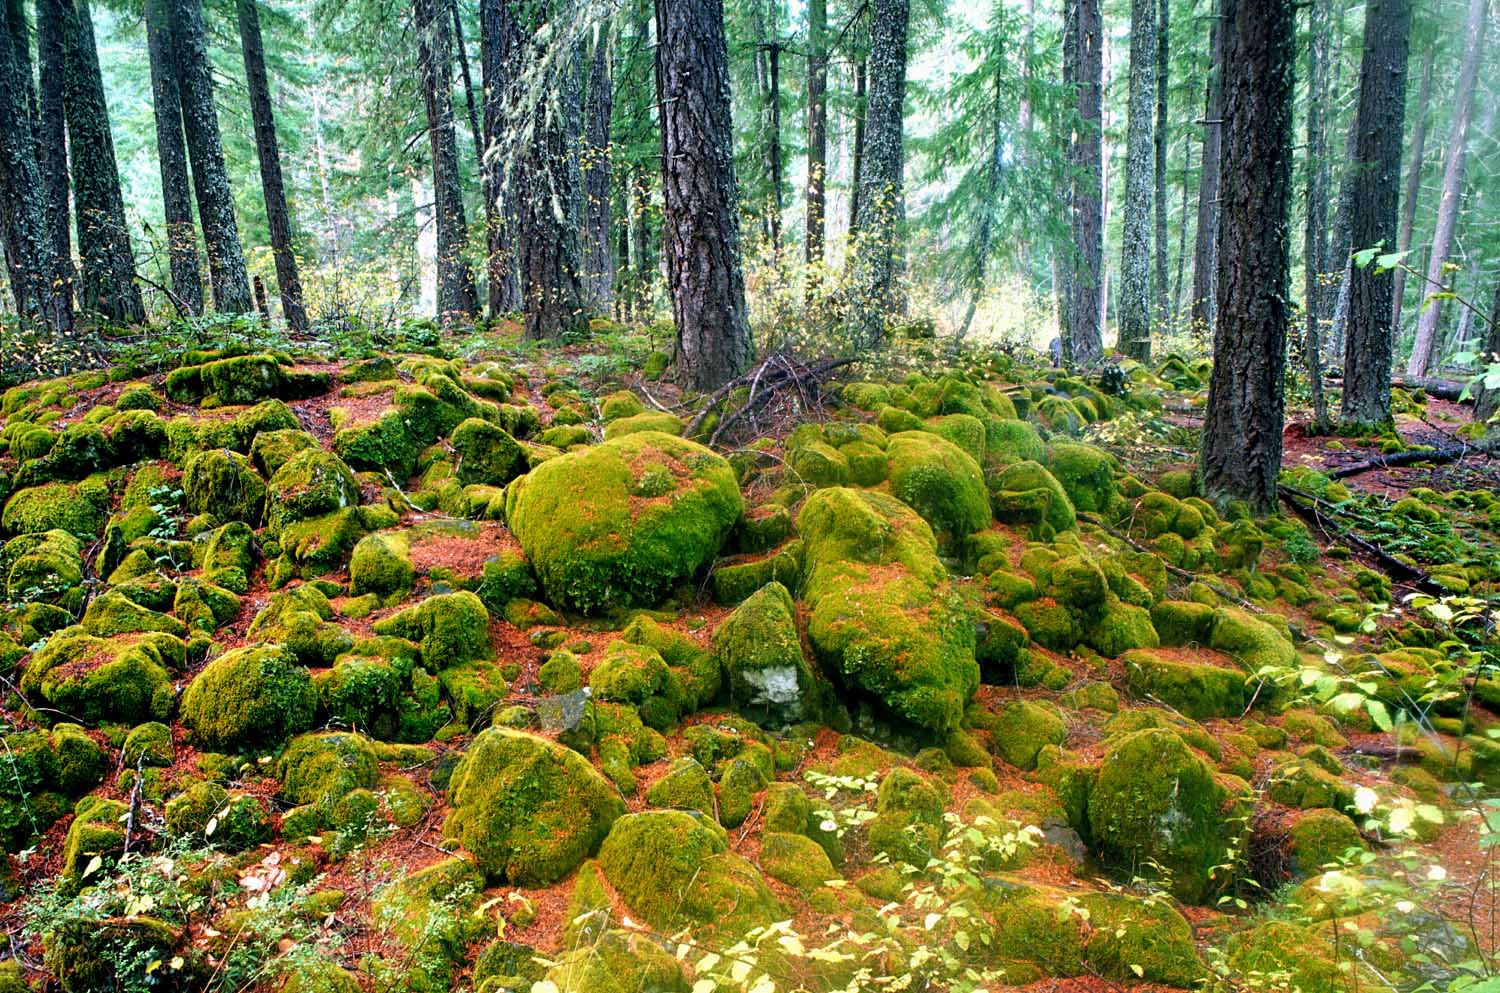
{"points": [[700, 231], [1413, 185], [599, 262], [817, 128], [200, 123], [1487, 402], [22, 198], [278, 217], [1315, 229], [500, 255], [773, 140], [108, 285], [1372, 213], [455, 303], [1160, 135], [1135, 248], [462, 51], [857, 155], [176, 185], [1205, 241], [1083, 73], [1241, 451], [1425, 346], [52, 135]]}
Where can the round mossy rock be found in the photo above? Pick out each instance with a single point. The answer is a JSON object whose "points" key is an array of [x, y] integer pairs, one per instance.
{"points": [[250, 697]]}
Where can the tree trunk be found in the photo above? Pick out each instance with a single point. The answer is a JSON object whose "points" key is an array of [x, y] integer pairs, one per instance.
{"points": [[176, 185], [1083, 72], [861, 75], [599, 263], [52, 136], [1241, 451], [817, 127], [278, 218], [1160, 135], [500, 255], [1182, 227], [1135, 238], [462, 51], [1315, 230], [455, 303], [700, 232], [108, 285], [644, 264], [1453, 182], [773, 144], [1372, 212], [1413, 186], [200, 122], [1206, 240], [878, 292], [1487, 402]]}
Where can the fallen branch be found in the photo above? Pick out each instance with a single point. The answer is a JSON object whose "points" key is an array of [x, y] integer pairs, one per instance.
{"points": [[1443, 389], [775, 372], [1452, 453], [1313, 509]]}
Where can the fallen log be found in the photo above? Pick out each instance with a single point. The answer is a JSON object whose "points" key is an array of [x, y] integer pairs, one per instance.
{"points": [[1448, 453], [1443, 389], [1321, 514]]}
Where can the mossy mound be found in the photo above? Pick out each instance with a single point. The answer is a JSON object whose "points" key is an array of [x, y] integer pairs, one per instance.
{"points": [[1193, 689], [527, 809], [311, 483], [243, 379], [624, 521], [451, 628], [761, 653], [617, 960], [79, 509], [249, 698], [940, 481], [1026, 493], [224, 486], [96, 680], [301, 619]]}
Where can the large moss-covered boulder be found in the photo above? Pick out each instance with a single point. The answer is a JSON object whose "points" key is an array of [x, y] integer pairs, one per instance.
{"points": [[311, 483], [77, 508], [486, 453], [243, 379], [301, 619], [884, 616], [44, 567], [452, 628], [674, 869], [529, 810], [1194, 689], [624, 521], [251, 697], [940, 481], [224, 485], [1157, 801], [1086, 473], [1252, 642], [761, 652], [124, 680], [1026, 493]]}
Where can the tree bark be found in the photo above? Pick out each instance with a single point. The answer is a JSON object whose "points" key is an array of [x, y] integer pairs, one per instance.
{"points": [[171, 155], [599, 262], [878, 291], [108, 283], [1083, 73], [267, 149], [1315, 230], [857, 156], [496, 74], [52, 136], [462, 51], [1453, 182], [1135, 239], [817, 127], [700, 231], [200, 122], [1160, 136], [1206, 240], [773, 143], [455, 303], [1487, 402], [1372, 212], [1241, 451], [1413, 186]]}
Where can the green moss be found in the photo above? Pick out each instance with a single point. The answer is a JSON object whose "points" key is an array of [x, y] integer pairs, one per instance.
{"points": [[1254, 643], [560, 673], [229, 556], [312, 483], [452, 628], [302, 620], [203, 606], [381, 564], [882, 613], [45, 567], [323, 770], [148, 744], [638, 675], [651, 420], [1156, 800], [79, 509], [697, 672], [1193, 690], [736, 581], [941, 482], [431, 915], [795, 860], [866, 396], [251, 697], [486, 453], [1050, 624], [126, 680], [207, 812], [1305, 785], [1323, 838], [1182, 622], [1087, 475], [112, 612], [1026, 493], [815, 463], [621, 403], [673, 869], [963, 430], [761, 652], [908, 824], [618, 961], [225, 485], [1289, 951], [365, 693], [1120, 628], [1022, 728], [243, 379], [686, 786], [622, 522], [89, 955], [529, 810]]}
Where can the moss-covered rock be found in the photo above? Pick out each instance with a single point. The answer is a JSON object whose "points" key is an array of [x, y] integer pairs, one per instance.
{"points": [[637, 675], [1193, 689], [126, 679], [432, 916], [1087, 475], [1252, 642], [1321, 839], [1022, 728], [88, 955], [622, 522], [617, 960], [43, 567], [451, 628], [323, 770], [1026, 493], [486, 453], [225, 486], [761, 653], [883, 615], [529, 810], [659, 421], [301, 619], [311, 483], [251, 697], [77, 508], [940, 481], [908, 823], [686, 785], [674, 869], [243, 379]]}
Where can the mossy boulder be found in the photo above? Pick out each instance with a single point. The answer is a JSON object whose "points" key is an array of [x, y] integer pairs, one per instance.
{"points": [[624, 521], [908, 823], [1026, 493], [91, 955], [883, 615], [432, 916], [1087, 475], [1252, 642], [674, 869], [1198, 690], [323, 770], [761, 653], [301, 619], [243, 379], [112, 612], [79, 509], [125, 680], [637, 675], [795, 860], [1323, 838], [1156, 800], [311, 483], [451, 628], [1022, 728], [617, 960], [251, 697], [43, 567], [528, 810], [225, 486], [651, 420], [940, 481], [486, 453]]}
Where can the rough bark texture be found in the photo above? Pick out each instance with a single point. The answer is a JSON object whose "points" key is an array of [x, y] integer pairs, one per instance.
{"points": [[1206, 240], [1135, 247], [1241, 451], [598, 258], [1160, 137], [108, 285], [1315, 229], [857, 156], [500, 256], [278, 217], [1372, 216], [171, 155], [462, 51], [700, 231], [1083, 72], [52, 134], [817, 127], [773, 140], [1423, 348], [455, 303], [200, 122], [1413, 185]]}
